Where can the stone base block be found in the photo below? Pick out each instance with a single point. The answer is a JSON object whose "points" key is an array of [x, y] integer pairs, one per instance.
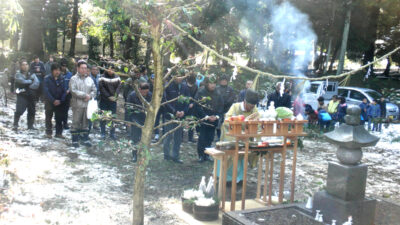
{"points": [[332, 208], [346, 182]]}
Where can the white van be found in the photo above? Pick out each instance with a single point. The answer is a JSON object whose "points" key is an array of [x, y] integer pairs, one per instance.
{"points": [[317, 89]]}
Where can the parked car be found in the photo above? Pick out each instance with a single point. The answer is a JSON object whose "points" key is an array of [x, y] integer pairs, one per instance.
{"points": [[355, 95]]}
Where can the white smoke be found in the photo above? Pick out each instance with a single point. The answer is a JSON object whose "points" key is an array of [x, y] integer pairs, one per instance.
{"points": [[286, 40], [292, 33]]}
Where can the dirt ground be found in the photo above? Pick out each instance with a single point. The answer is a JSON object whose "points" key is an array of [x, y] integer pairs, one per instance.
{"points": [[46, 181]]}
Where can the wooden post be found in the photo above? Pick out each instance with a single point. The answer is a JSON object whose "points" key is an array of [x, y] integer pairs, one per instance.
{"points": [[282, 172], [271, 174], [267, 159], [246, 158], [259, 172], [225, 166], [234, 175], [294, 169]]}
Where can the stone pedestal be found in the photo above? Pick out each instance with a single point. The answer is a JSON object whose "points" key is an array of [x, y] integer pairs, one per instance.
{"points": [[345, 186], [346, 182], [333, 208]]}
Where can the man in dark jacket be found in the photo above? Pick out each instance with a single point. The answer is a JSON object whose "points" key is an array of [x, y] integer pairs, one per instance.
{"points": [[136, 112], [37, 67], [109, 86], [54, 93], [279, 100], [47, 65], [95, 75], [26, 85], [178, 109], [228, 95], [242, 93], [382, 105], [210, 110], [191, 83], [66, 75]]}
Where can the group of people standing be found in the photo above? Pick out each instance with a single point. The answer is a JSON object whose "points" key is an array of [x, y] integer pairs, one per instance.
{"points": [[60, 91], [372, 113]]}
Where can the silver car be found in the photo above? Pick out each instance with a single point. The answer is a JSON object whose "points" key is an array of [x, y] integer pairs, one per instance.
{"points": [[355, 95]]}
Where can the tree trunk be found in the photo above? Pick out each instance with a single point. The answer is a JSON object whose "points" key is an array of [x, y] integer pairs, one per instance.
{"points": [[111, 45], [147, 130], [334, 55], [372, 30], [328, 55], [32, 35], [127, 51], [148, 53], [63, 40], [135, 45], [75, 15], [14, 41], [104, 48], [344, 38], [52, 26]]}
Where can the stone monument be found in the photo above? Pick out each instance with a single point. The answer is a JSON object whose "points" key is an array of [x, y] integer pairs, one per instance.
{"points": [[345, 187]]}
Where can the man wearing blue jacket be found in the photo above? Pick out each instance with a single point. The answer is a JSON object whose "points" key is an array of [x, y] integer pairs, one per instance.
{"points": [[54, 93], [374, 112], [178, 109]]}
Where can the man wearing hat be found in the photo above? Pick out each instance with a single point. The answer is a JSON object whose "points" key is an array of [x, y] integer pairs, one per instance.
{"points": [[245, 108]]}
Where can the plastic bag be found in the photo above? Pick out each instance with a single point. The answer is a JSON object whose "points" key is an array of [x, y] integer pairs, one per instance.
{"points": [[91, 108]]}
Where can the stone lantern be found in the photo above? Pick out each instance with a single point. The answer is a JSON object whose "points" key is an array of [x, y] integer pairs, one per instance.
{"points": [[345, 187]]}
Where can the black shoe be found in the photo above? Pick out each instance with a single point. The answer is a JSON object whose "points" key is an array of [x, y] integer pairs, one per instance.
{"points": [[134, 156], [112, 136], [75, 144], [15, 129], [167, 157], [66, 127], [192, 141], [87, 144], [177, 161]]}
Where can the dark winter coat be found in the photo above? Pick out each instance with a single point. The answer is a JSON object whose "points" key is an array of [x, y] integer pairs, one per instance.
{"points": [[228, 95], [42, 71], [109, 86], [364, 110], [173, 91], [342, 109], [135, 112], [242, 95], [54, 89], [214, 106], [67, 76], [280, 101], [383, 108]]}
